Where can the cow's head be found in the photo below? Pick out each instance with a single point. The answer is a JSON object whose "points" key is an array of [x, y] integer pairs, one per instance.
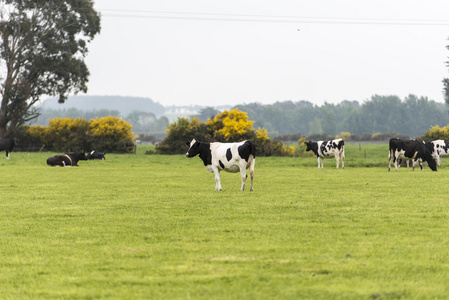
{"points": [[431, 162], [96, 155], [194, 148], [311, 146], [429, 156], [80, 155]]}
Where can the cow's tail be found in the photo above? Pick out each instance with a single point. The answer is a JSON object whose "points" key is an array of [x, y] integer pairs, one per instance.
{"points": [[252, 150], [251, 155]]}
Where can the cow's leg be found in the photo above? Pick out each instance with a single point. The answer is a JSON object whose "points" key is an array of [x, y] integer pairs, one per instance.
{"points": [[396, 160], [243, 174], [318, 162], [7, 154], [243, 164], [343, 160], [251, 172], [217, 179], [337, 158]]}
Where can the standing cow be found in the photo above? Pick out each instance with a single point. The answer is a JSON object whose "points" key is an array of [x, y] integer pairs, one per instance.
{"points": [[229, 157], [7, 145], [410, 150], [326, 149], [440, 148]]}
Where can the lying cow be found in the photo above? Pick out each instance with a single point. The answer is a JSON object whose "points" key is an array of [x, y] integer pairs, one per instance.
{"points": [[229, 157], [66, 160], [7, 145], [410, 150], [325, 149], [95, 155]]}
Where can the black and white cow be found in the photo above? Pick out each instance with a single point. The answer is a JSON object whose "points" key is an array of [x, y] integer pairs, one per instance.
{"points": [[441, 148], [410, 150], [7, 145], [229, 157], [325, 149], [95, 155], [66, 160]]}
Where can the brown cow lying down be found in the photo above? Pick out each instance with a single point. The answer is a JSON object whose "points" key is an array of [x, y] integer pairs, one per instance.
{"points": [[66, 160]]}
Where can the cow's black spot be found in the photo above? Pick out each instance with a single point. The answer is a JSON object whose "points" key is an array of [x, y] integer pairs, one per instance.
{"points": [[246, 150], [221, 164], [228, 154]]}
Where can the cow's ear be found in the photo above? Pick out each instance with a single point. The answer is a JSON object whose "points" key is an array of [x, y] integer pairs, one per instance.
{"points": [[188, 143]]}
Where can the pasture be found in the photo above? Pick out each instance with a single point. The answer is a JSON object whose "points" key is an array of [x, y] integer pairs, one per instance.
{"points": [[152, 227]]}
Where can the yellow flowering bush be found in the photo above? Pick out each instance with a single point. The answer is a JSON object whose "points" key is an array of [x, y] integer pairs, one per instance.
{"points": [[108, 134], [437, 133], [111, 134], [231, 126], [68, 134], [346, 136]]}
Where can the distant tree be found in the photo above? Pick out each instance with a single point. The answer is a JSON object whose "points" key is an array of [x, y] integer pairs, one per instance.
{"points": [[161, 124], [141, 121], [207, 113], [42, 50]]}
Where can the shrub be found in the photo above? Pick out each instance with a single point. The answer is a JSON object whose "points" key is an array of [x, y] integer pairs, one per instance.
{"points": [[67, 134], [301, 148], [436, 133], [231, 126], [111, 134], [345, 136], [108, 134]]}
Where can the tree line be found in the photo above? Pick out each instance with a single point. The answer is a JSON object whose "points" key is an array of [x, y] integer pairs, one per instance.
{"points": [[411, 116]]}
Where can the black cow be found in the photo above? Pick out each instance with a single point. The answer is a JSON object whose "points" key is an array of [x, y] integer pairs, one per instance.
{"points": [[95, 155], [229, 157], [326, 149], [411, 150], [7, 145], [66, 160]]}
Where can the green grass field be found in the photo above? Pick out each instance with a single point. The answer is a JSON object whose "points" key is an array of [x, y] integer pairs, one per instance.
{"points": [[152, 227]]}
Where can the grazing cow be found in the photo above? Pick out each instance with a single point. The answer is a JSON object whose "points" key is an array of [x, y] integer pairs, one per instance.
{"points": [[7, 145], [440, 148], [230, 157], [322, 149], [410, 150], [95, 155], [66, 160]]}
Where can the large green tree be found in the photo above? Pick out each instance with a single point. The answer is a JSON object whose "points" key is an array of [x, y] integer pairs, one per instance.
{"points": [[43, 44]]}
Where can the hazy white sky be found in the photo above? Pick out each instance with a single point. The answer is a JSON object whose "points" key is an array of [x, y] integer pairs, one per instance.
{"points": [[210, 52]]}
